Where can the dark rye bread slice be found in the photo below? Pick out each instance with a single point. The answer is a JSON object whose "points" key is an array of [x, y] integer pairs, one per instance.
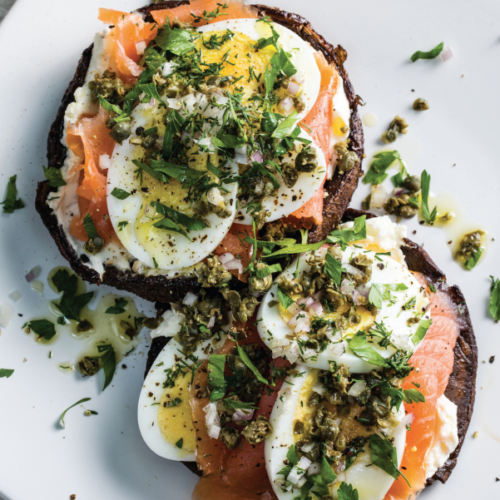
{"points": [[160, 288], [462, 384]]}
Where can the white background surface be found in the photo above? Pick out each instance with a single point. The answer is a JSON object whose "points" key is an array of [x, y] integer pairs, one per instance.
{"points": [[103, 456]]}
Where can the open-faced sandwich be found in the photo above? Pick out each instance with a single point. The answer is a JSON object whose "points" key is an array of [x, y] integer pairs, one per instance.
{"points": [[188, 128], [353, 380]]}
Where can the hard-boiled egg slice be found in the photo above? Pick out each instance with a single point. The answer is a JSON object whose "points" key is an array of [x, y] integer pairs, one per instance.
{"points": [[401, 316], [290, 199], [164, 413], [372, 483], [243, 55], [134, 217]]}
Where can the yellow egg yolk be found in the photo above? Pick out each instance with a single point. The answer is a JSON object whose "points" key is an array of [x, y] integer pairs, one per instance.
{"points": [[175, 421]]}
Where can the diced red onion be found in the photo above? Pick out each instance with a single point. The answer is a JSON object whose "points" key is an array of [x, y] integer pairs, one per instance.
{"points": [[33, 274], [353, 270], [293, 88], [286, 104], [306, 300], [298, 77], [318, 295], [211, 322], [293, 352], [378, 197], [241, 159], [447, 54], [152, 102], [307, 448], [184, 135], [338, 349], [104, 161], [37, 286], [340, 467], [241, 151], [363, 290], [301, 481], [427, 307], [319, 388], [212, 420], [243, 415], [317, 309], [190, 299], [140, 47], [234, 264], [284, 393], [15, 296], [257, 156], [357, 388], [397, 191], [226, 257], [347, 287]]}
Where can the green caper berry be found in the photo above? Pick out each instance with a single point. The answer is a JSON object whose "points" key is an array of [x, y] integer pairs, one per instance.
{"points": [[230, 437], [290, 175], [306, 162], [298, 427], [341, 442], [93, 245], [420, 104], [152, 323], [348, 161], [120, 132], [258, 430], [84, 326], [390, 136], [88, 366], [412, 183]]}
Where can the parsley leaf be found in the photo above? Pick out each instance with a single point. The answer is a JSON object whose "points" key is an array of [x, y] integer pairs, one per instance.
{"points": [[376, 296], [333, 268], [429, 217], [495, 299], [284, 299], [243, 355], [285, 127], [5, 372], [89, 226], [70, 306], [179, 443], [413, 396], [262, 273], [173, 220], [299, 248], [151, 91], [347, 235], [360, 347], [53, 176], [119, 307], [431, 54], [423, 326], [179, 42], [174, 123], [174, 402], [122, 224], [382, 161], [61, 418], [347, 492], [108, 362], [471, 262], [120, 194], [43, 327], [231, 404], [216, 381], [11, 201], [383, 455]]}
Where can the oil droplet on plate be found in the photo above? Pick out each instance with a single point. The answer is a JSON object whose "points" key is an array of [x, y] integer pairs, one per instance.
{"points": [[369, 119]]}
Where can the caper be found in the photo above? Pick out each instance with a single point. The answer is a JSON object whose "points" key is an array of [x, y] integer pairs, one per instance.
{"points": [[469, 244], [246, 309], [313, 448], [290, 175], [390, 136], [130, 331], [412, 183], [152, 323], [213, 80], [334, 397], [256, 284], [110, 123], [289, 285], [367, 418], [93, 245], [341, 442], [84, 326], [259, 430], [306, 162], [348, 161], [329, 429], [260, 218], [230, 437], [212, 273], [396, 127], [378, 406], [298, 427], [120, 132], [88, 366], [420, 104], [408, 211], [314, 399], [336, 252]]}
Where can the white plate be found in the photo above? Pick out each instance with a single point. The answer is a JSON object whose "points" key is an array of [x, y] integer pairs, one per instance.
{"points": [[104, 456]]}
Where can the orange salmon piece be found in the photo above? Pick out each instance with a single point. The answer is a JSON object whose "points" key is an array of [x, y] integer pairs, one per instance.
{"points": [[434, 362], [236, 10], [319, 120], [128, 30], [89, 139]]}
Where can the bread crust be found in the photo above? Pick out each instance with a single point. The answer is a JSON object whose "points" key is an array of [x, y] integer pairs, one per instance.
{"points": [[461, 388], [160, 288]]}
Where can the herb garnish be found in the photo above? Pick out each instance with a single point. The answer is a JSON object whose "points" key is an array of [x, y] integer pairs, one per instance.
{"points": [[471, 262], [89, 226], [423, 326], [243, 355], [360, 347], [347, 492], [284, 299], [216, 380], [119, 307], [53, 176], [174, 402], [5, 372], [42, 327], [431, 54], [383, 455], [429, 217], [120, 194], [108, 362], [347, 235], [61, 418], [333, 269], [12, 202], [495, 299], [377, 172], [179, 443]]}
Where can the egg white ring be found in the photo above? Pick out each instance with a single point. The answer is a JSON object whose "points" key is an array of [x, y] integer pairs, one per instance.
{"points": [[147, 414], [302, 54], [305, 188], [269, 319], [279, 442], [184, 253]]}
